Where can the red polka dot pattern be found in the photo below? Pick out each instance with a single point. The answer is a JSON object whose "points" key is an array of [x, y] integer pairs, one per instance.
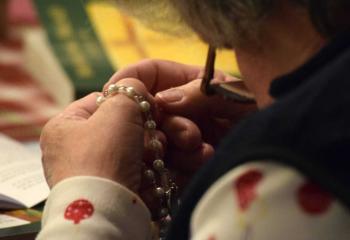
{"points": [[79, 210], [245, 187], [312, 199]]}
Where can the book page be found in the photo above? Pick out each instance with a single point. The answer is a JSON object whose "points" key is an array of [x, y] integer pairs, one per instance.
{"points": [[13, 218], [21, 175], [9, 221]]}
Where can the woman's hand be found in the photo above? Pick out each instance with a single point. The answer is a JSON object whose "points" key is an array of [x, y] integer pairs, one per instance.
{"points": [[105, 141], [189, 114], [192, 122]]}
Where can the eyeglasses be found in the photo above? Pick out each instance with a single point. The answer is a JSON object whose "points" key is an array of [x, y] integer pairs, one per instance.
{"points": [[233, 90]]}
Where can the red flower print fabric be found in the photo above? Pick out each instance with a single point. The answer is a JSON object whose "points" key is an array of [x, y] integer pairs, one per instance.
{"points": [[79, 210]]}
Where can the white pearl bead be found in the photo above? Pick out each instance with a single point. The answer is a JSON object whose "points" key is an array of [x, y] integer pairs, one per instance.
{"points": [[155, 144], [150, 124], [112, 88], [158, 165], [149, 174], [145, 106], [130, 92], [159, 192], [100, 100]]}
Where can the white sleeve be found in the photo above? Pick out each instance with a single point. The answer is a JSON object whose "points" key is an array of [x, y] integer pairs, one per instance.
{"points": [[267, 201], [94, 208]]}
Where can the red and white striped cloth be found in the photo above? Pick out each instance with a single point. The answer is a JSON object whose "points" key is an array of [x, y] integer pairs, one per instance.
{"points": [[24, 105]]}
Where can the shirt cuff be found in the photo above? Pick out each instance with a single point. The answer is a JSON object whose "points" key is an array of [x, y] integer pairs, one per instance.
{"points": [[95, 203]]}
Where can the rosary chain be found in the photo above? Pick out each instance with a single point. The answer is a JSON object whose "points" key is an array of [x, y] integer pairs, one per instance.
{"points": [[165, 188]]}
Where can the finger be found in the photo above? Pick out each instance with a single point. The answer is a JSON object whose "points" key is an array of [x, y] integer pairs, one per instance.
{"points": [[181, 132], [187, 100], [189, 162], [81, 109], [120, 109], [158, 75]]}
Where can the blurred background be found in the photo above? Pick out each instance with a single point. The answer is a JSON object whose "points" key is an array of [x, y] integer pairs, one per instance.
{"points": [[53, 51], [25, 105]]}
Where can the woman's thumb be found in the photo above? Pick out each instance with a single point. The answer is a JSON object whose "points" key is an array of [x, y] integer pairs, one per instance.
{"points": [[187, 100]]}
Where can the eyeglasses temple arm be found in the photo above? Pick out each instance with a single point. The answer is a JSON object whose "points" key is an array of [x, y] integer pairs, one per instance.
{"points": [[209, 71]]}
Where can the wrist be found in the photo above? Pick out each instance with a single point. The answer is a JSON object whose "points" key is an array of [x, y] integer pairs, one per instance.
{"points": [[92, 203]]}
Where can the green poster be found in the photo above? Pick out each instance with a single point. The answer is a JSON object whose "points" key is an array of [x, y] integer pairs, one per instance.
{"points": [[75, 43]]}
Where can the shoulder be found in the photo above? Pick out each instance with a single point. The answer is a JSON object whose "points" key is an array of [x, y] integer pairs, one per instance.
{"points": [[250, 199]]}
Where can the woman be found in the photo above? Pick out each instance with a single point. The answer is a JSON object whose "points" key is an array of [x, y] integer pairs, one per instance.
{"points": [[280, 173]]}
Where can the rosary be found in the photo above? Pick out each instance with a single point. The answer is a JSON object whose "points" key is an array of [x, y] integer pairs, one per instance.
{"points": [[165, 189]]}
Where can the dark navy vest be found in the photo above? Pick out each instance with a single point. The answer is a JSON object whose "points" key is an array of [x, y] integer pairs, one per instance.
{"points": [[307, 128]]}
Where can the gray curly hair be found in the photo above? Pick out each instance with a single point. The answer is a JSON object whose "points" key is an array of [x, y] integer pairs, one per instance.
{"points": [[228, 23]]}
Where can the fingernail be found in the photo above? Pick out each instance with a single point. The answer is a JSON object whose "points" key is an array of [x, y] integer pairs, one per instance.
{"points": [[171, 95]]}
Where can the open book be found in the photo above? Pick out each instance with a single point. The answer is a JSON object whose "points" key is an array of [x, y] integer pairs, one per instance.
{"points": [[22, 181]]}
